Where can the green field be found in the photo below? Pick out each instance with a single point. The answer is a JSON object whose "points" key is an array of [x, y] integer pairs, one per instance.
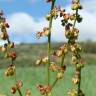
{"points": [[27, 54], [32, 76]]}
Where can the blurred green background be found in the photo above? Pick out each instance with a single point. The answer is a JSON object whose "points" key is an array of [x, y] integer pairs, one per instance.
{"points": [[30, 74]]}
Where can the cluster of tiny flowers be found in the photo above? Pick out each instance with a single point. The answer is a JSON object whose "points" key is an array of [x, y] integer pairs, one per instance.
{"points": [[54, 68], [46, 89], [9, 54], [71, 33], [42, 61], [6, 48], [17, 86], [45, 32], [62, 50], [74, 92]]}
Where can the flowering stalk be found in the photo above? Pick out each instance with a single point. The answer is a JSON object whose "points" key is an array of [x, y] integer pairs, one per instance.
{"points": [[71, 33], [51, 66], [11, 70], [49, 40]]}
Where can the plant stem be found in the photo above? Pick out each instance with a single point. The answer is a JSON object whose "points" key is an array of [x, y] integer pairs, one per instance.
{"points": [[79, 84], [62, 60], [75, 19], [49, 41], [54, 83], [19, 91]]}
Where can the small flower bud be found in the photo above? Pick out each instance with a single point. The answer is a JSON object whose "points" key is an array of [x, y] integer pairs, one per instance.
{"points": [[53, 67], [4, 36], [11, 45], [28, 92], [10, 70], [45, 60], [19, 84], [13, 89], [52, 13], [59, 75], [39, 34], [73, 49], [74, 60], [75, 80], [48, 17], [76, 6], [59, 53], [46, 31], [66, 16], [39, 61], [7, 25], [13, 55], [79, 66]]}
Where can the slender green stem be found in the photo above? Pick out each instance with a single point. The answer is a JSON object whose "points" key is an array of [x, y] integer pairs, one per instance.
{"points": [[62, 63], [54, 83], [49, 41], [19, 91], [79, 84], [62, 60], [75, 19]]}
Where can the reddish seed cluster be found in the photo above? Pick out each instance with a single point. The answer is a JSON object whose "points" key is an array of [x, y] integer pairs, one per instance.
{"points": [[68, 16], [54, 67], [44, 32], [71, 33], [42, 61], [17, 86], [44, 89], [6, 48], [53, 14], [10, 70], [62, 50]]}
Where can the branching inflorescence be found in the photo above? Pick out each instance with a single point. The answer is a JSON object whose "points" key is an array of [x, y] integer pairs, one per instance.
{"points": [[11, 55], [71, 32]]}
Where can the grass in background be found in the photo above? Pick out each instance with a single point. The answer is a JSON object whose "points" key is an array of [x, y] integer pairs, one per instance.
{"points": [[27, 55], [32, 76]]}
